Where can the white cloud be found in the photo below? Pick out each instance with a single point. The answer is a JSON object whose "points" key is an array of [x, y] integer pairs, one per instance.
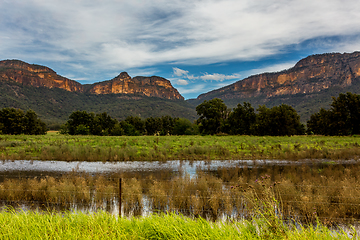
{"points": [[212, 77], [142, 72], [183, 73], [179, 72], [219, 77], [191, 77], [114, 34], [182, 82], [193, 89]]}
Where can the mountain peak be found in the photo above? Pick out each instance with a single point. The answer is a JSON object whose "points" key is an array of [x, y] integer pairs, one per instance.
{"points": [[149, 86], [123, 75]]}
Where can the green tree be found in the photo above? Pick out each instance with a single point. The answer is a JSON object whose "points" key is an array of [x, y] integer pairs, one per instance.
{"points": [[183, 126], [82, 129], [153, 126], [12, 120], [33, 125], [129, 130], [278, 121], [213, 114], [319, 123], [103, 124], [117, 130], [241, 119], [343, 118], [137, 123], [167, 123], [80, 122], [346, 114], [15, 121]]}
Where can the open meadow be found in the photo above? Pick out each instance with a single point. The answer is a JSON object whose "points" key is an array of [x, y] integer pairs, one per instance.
{"points": [[54, 146]]}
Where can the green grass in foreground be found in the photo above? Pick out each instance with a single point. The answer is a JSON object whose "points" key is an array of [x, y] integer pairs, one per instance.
{"points": [[30, 225], [152, 148]]}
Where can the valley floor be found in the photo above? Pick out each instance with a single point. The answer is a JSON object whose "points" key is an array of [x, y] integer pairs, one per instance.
{"points": [[54, 146]]}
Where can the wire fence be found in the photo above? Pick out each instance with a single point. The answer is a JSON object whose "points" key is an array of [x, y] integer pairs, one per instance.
{"points": [[212, 198]]}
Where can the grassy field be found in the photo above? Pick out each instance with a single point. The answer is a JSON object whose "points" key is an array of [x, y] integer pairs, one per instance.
{"points": [[152, 148], [31, 225]]}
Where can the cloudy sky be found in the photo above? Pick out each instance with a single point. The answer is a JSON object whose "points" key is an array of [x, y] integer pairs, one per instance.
{"points": [[199, 45]]}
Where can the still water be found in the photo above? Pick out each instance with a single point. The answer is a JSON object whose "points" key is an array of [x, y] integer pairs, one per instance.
{"points": [[156, 171], [34, 167]]}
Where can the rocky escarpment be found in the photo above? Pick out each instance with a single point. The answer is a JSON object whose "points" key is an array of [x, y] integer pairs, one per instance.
{"points": [[148, 86], [40, 76], [35, 75], [310, 75]]}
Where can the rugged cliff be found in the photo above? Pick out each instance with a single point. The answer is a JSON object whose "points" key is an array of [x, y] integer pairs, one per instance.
{"points": [[148, 86], [310, 75], [35, 75], [40, 76]]}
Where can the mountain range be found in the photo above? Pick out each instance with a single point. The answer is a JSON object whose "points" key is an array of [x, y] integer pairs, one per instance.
{"points": [[41, 76], [307, 86], [54, 98]]}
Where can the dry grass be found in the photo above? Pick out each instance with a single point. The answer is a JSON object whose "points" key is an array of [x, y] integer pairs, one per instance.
{"points": [[64, 191], [328, 192]]}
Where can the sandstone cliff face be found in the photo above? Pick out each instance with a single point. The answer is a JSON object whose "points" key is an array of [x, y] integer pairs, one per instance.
{"points": [[149, 86], [35, 75], [40, 76], [312, 74]]}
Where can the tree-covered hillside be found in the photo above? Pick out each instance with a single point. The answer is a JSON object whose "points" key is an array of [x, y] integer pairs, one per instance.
{"points": [[304, 104], [55, 105]]}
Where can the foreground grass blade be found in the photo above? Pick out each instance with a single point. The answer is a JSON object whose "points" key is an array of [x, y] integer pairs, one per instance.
{"points": [[34, 225]]}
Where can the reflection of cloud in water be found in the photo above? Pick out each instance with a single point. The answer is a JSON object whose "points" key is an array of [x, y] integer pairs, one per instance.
{"points": [[189, 167]]}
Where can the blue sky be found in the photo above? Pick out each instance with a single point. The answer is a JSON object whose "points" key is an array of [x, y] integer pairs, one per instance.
{"points": [[199, 45]]}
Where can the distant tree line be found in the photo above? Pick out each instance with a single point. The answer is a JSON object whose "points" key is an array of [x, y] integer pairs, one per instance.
{"points": [[84, 123], [15, 121], [216, 118], [343, 118]]}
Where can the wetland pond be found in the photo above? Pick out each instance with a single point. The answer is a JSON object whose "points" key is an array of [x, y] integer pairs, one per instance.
{"points": [[28, 168], [211, 189]]}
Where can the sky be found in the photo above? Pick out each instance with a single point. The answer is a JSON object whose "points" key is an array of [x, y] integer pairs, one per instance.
{"points": [[199, 45]]}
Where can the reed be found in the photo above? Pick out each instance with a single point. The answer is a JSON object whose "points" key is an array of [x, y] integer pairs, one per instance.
{"points": [[133, 198], [66, 191], [305, 192]]}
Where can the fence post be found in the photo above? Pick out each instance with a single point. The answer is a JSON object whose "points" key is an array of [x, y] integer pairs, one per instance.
{"points": [[120, 197]]}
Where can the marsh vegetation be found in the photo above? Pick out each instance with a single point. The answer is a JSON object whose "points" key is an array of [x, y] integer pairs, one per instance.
{"points": [[304, 193]]}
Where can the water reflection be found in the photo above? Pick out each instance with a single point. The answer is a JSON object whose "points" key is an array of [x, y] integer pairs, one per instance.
{"points": [[190, 167], [210, 189]]}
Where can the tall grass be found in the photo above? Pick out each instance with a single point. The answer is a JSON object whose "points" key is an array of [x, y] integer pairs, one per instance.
{"points": [[65, 191], [327, 193], [151, 148], [34, 225]]}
